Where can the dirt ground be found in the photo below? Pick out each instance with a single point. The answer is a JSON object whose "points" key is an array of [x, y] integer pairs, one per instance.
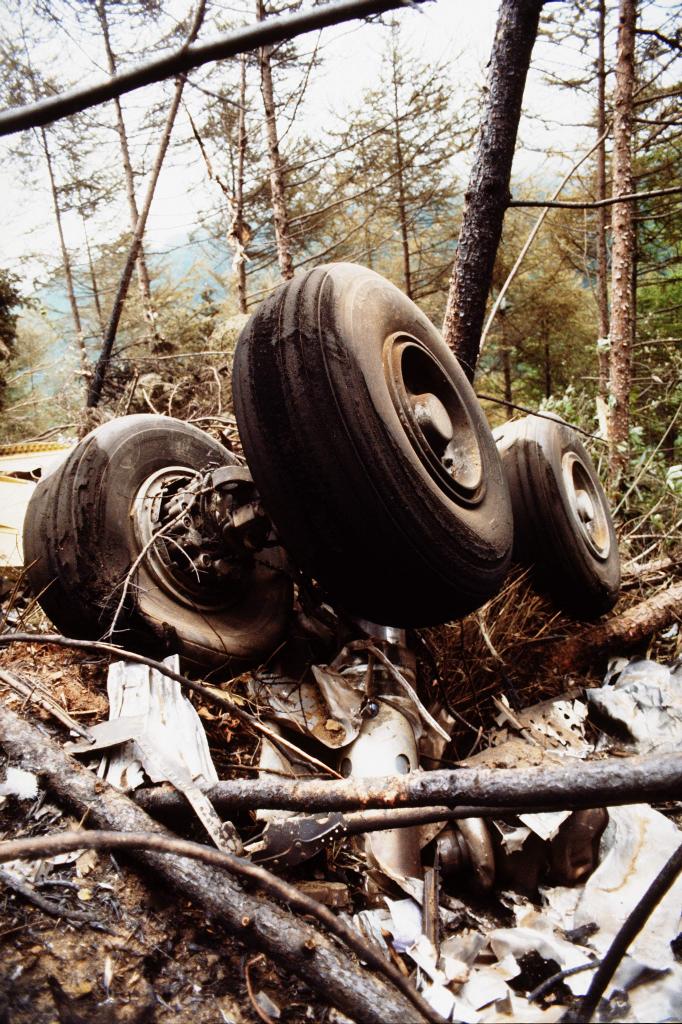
{"points": [[145, 956]]}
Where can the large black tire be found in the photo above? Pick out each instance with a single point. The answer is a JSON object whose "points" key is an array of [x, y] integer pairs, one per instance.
{"points": [[80, 543], [398, 527], [562, 524]]}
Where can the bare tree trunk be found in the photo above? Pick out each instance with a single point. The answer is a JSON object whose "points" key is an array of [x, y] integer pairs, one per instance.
{"points": [[279, 208], [506, 368], [623, 249], [487, 193], [548, 370], [602, 264], [141, 262], [97, 382], [66, 259], [93, 279], [608, 782], [400, 179], [506, 357], [239, 187]]}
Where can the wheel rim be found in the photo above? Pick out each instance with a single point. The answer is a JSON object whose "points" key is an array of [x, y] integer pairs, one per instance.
{"points": [[158, 502], [586, 505], [434, 418]]}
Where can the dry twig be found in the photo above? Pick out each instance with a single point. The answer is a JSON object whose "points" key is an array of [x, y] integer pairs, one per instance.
{"points": [[52, 907]]}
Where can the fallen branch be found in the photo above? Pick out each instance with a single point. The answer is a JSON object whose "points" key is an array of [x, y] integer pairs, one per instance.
{"points": [[592, 784], [37, 694], [240, 40], [254, 918], [465, 791], [633, 626], [66, 842], [633, 572], [165, 802], [547, 986]]}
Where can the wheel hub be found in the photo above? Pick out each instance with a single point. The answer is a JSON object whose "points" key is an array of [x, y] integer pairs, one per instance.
{"points": [[189, 526], [434, 418], [586, 505]]}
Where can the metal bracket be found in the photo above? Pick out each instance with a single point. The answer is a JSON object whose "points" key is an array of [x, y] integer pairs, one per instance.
{"points": [[291, 841]]}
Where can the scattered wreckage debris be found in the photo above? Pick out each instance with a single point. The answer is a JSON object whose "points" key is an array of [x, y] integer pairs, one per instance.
{"points": [[21, 465], [252, 916], [153, 728], [485, 958]]}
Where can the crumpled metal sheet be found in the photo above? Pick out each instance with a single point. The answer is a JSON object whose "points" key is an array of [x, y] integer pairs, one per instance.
{"points": [[657, 999], [537, 937], [645, 699], [545, 733], [552, 725], [328, 705], [545, 824], [172, 726], [513, 752], [636, 844]]}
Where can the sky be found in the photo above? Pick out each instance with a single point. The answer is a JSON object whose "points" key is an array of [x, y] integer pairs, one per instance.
{"points": [[458, 31]]}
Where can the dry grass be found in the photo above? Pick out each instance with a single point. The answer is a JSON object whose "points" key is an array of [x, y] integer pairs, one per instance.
{"points": [[499, 649]]}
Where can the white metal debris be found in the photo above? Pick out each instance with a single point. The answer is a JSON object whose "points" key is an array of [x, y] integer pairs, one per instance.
{"points": [[636, 844], [645, 699], [171, 725]]}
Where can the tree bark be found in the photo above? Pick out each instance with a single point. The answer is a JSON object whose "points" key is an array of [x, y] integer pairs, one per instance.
{"points": [[277, 183], [625, 631], [487, 193], [602, 259], [612, 781], [141, 262], [66, 259], [623, 247], [400, 179], [252, 917], [239, 188]]}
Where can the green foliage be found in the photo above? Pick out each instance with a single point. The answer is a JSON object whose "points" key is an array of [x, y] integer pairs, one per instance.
{"points": [[10, 302], [542, 340]]}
